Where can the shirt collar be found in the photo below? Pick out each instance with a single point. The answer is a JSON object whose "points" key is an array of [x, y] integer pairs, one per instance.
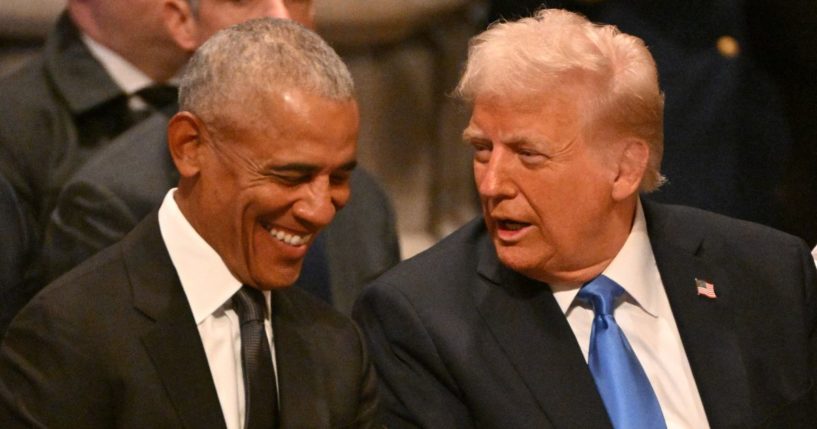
{"points": [[206, 280], [123, 73], [634, 268]]}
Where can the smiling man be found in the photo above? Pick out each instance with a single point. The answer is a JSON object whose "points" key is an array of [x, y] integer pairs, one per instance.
{"points": [[189, 320], [572, 302], [106, 66]]}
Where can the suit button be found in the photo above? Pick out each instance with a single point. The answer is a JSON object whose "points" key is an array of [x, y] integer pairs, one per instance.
{"points": [[728, 46]]}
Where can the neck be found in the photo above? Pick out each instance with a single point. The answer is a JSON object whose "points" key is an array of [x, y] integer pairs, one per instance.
{"points": [[158, 59], [607, 242]]}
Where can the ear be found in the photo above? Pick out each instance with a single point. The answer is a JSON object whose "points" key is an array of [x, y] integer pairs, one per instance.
{"points": [[184, 140], [181, 24], [632, 164]]}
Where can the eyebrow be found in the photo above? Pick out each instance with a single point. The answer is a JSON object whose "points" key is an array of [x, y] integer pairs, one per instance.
{"points": [[310, 168], [512, 140], [471, 133]]}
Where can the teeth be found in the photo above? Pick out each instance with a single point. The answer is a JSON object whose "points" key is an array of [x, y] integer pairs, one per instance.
{"points": [[510, 225], [291, 239]]}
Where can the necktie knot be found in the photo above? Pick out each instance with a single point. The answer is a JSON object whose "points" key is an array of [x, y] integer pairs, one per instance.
{"points": [[623, 385], [602, 293], [159, 96], [249, 304]]}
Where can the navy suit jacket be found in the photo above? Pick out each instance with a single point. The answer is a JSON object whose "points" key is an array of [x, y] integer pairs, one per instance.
{"points": [[461, 341]]}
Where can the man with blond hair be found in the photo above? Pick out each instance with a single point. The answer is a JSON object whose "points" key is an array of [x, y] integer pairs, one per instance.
{"points": [[572, 302]]}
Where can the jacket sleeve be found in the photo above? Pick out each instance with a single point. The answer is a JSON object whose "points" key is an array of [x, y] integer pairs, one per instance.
{"points": [[416, 389], [87, 219], [49, 376]]}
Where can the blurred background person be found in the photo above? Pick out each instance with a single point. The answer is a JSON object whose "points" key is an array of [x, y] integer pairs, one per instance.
{"points": [[13, 253]]}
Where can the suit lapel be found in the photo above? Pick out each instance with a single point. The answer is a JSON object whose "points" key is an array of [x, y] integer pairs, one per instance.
{"points": [[706, 325], [295, 368], [534, 334], [173, 344]]}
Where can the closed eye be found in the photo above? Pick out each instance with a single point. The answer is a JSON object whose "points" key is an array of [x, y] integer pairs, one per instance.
{"points": [[482, 150], [531, 157], [291, 179]]}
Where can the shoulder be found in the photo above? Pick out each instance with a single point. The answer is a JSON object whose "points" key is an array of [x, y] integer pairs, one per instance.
{"points": [[441, 277], [28, 84], [142, 152], [76, 297], [302, 311], [688, 222], [448, 259], [755, 256]]}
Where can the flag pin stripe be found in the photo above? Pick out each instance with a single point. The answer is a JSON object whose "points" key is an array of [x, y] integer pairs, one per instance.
{"points": [[705, 288]]}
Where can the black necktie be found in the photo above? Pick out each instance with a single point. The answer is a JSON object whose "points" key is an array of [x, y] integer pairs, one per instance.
{"points": [[260, 394], [159, 96]]}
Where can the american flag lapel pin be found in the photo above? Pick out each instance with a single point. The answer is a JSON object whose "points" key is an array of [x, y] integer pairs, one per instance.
{"points": [[705, 288]]}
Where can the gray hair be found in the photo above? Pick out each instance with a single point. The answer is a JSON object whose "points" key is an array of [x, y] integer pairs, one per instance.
{"points": [[194, 6], [257, 57], [611, 73]]}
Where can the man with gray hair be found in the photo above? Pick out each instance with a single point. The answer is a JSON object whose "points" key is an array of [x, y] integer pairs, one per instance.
{"points": [[572, 302], [105, 67], [189, 321]]}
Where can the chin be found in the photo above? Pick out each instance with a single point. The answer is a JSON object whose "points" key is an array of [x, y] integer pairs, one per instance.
{"points": [[281, 278], [520, 261]]}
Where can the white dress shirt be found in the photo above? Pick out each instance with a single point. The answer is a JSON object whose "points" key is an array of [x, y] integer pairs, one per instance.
{"points": [[209, 287], [124, 74], [129, 78], [646, 318]]}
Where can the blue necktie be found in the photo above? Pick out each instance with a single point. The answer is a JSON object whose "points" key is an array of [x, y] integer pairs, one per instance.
{"points": [[627, 394]]}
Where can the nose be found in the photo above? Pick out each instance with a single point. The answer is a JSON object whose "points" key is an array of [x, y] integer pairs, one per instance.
{"points": [[320, 202], [277, 9], [493, 176]]}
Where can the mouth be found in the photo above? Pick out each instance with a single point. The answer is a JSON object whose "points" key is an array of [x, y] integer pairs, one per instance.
{"points": [[287, 237], [510, 230], [510, 225]]}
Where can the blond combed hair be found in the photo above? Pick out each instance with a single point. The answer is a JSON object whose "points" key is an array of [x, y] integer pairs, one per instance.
{"points": [[611, 74]]}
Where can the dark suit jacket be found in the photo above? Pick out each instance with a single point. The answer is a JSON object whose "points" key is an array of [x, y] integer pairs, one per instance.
{"points": [[13, 252], [54, 113], [114, 344], [459, 340], [125, 181]]}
